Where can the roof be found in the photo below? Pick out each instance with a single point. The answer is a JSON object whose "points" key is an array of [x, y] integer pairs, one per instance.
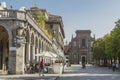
{"points": [[83, 31], [36, 8]]}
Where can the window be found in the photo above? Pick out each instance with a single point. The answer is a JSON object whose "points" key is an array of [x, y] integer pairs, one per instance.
{"points": [[74, 56], [74, 43], [51, 26], [83, 43]]}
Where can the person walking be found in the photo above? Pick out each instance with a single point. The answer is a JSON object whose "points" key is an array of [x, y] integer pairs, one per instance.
{"points": [[83, 62], [113, 66], [117, 66], [83, 65], [41, 68]]}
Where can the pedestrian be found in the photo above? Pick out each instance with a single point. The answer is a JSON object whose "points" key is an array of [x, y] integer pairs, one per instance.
{"points": [[41, 68], [113, 66], [117, 66], [83, 62], [83, 65]]}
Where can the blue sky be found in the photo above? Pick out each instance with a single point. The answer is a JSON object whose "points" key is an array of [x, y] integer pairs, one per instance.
{"points": [[99, 16]]}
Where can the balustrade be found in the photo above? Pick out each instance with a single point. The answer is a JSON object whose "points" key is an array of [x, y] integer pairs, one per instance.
{"points": [[8, 14]]}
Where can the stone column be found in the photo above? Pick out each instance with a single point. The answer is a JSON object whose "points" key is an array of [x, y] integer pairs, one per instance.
{"points": [[16, 51], [20, 59], [33, 52], [16, 59], [12, 62], [11, 58], [28, 52], [37, 53]]}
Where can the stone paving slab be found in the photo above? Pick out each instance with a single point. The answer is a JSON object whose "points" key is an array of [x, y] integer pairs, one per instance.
{"points": [[75, 72], [29, 77]]}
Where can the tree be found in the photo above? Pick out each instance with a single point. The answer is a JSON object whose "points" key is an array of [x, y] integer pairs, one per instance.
{"points": [[99, 49], [108, 45], [116, 40], [108, 48]]}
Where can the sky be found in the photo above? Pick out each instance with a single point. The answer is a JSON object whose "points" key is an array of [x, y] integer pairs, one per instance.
{"points": [[99, 16]]}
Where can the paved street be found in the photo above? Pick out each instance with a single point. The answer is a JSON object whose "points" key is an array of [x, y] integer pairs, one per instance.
{"points": [[75, 72], [29, 77], [90, 73]]}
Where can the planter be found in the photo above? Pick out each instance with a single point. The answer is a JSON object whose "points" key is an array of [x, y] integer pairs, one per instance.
{"points": [[58, 68]]}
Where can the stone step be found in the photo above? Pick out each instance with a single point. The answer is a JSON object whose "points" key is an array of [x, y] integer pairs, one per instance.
{"points": [[3, 71]]}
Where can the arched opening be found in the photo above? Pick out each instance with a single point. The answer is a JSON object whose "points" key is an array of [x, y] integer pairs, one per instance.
{"points": [[4, 48]]}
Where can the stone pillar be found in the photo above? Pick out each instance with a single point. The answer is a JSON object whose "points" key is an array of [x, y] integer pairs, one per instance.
{"points": [[37, 53], [20, 59], [16, 60], [11, 58], [12, 62], [28, 52], [33, 52], [16, 55]]}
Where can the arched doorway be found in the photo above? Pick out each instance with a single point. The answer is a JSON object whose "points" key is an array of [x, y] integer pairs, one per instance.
{"points": [[4, 48]]}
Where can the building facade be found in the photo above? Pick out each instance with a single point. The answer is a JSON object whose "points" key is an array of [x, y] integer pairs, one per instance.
{"points": [[80, 47], [21, 38], [56, 25]]}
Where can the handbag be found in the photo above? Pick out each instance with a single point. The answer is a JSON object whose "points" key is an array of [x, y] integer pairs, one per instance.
{"points": [[45, 70]]}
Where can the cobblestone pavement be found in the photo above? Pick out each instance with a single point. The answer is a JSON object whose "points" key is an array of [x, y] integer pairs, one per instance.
{"points": [[29, 78], [75, 72]]}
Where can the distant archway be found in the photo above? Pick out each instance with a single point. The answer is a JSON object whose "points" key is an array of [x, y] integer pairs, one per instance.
{"points": [[4, 48]]}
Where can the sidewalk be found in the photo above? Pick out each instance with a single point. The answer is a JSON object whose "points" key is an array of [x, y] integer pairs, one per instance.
{"points": [[29, 77]]}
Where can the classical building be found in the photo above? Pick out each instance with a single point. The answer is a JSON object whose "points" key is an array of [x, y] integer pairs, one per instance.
{"points": [[22, 37], [80, 47], [56, 25]]}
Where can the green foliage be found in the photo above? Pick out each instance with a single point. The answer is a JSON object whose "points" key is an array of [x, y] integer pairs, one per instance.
{"points": [[41, 21], [116, 38], [108, 47], [98, 49]]}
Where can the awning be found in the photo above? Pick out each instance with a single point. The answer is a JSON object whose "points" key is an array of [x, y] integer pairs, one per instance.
{"points": [[53, 54], [44, 54]]}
